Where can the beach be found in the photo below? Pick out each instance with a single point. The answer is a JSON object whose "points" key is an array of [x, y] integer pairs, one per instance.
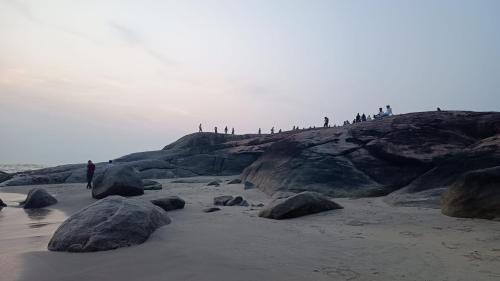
{"points": [[367, 240]]}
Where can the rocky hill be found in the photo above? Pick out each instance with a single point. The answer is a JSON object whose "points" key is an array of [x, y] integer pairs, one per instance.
{"points": [[413, 157]]}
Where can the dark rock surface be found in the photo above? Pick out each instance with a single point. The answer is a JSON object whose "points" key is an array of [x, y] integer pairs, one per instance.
{"points": [[235, 181], [2, 204], [117, 180], [235, 201], [475, 195], [248, 185], [38, 198], [108, 224], [222, 200], [413, 157], [304, 203], [151, 185], [211, 210], [169, 203], [4, 176]]}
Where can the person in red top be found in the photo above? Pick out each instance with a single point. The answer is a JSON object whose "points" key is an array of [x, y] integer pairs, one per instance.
{"points": [[90, 173]]}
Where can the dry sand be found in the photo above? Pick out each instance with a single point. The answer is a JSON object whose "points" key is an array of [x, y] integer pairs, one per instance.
{"points": [[368, 240]]}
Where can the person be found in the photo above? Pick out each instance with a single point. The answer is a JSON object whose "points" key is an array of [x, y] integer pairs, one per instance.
{"points": [[199, 128], [379, 114], [293, 129], [225, 130], [438, 109], [259, 132], [215, 129], [358, 118], [388, 111], [272, 130], [326, 122], [90, 173], [363, 118], [279, 131], [232, 131], [369, 118]]}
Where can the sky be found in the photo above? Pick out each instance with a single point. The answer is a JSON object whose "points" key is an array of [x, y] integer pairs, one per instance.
{"points": [[100, 79]]}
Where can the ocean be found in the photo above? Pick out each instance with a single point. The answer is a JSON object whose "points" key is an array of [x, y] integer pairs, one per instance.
{"points": [[15, 168]]}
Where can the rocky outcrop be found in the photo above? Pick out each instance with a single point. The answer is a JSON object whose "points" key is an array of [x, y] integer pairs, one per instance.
{"points": [[151, 185], [108, 224], [117, 180], [304, 203], [169, 203], [475, 195], [4, 176], [222, 200], [2, 204], [38, 198]]}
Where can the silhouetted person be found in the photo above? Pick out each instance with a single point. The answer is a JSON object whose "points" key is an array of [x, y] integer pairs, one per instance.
{"points": [[438, 109], [272, 130], [225, 130], [215, 129], [358, 118], [232, 131], [279, 131], [259, 132], [326, 122], [379, 114], [293, 129], [90, 173], [388, 111], [363, 118], [199, 128]]}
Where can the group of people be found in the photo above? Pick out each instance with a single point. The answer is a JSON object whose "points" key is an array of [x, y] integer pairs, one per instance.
{"points": [[200, 129], [362, 118]]}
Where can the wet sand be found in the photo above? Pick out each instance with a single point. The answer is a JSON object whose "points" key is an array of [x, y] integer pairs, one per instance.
{"points": [[368, 240]]}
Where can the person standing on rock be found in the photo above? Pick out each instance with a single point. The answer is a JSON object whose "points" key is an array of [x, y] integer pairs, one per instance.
{"points": [[272, 130], [259, 132], [90, 173], [199, 128], [225, 130], [363, 118], [215, 129], [232, 131], [326, 122]]}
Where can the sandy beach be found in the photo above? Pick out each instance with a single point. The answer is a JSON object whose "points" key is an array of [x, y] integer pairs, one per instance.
{"points": [[367, 240]]}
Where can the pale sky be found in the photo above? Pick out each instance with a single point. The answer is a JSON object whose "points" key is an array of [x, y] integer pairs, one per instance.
{"points": [[96, 80]]}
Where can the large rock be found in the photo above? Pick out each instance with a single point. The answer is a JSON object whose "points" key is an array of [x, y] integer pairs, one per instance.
{"points": [[117, 180], [475, 195], [235, 201], [38, 198], [169, 203], [222, 200], [4, 176], [301, 204], [108, 224], [2, 204]]}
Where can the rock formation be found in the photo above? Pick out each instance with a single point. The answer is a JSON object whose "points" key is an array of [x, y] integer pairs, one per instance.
{"points": [[151, 185], [38, 198], [108, 224], [117, 180], [169, 203]]}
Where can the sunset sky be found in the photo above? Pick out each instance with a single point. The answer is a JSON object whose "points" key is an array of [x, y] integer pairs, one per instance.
{"points": [[96, 80]]}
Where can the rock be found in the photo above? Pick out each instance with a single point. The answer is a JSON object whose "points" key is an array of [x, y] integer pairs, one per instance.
{"points": [[213, 183], [2, 204], [210, 210], [248, 185], [235, 201], [151, 185], [38, 198], [222, 200], [108, 224], [244, 203], [4, 176], [169, 203], [235, 181], [117, 180], [283, 194], [301, 204], [475, 195]]}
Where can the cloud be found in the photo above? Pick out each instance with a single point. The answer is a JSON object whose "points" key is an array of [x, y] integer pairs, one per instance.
{"points": [[135, 39]]}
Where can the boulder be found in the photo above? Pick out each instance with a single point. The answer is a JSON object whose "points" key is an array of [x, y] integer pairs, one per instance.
{"points": [[244, 203], [249, 185], [2, 204], [4, 176], [235, 201], [213, 183], [117, 180], [222, 200], [475, 195], [301, 204], [108, 224], [210, 210], [169, 203], [38, 198], [151, 185], [235, 181]]}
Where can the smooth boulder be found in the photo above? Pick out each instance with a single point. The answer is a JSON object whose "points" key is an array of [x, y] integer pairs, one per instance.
{"points": [[117, 180], [4, 176], [2, 204], [475, 195], [38, 198], [169, 203], [108, 224], [301, 204], [235, 201], [222, 200]]}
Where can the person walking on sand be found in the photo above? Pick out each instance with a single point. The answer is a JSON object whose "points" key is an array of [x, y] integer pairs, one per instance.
{"points": [[90, 173]]}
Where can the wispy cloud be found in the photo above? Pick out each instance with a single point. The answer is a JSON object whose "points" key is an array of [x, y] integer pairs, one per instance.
{"points": [[135, 39]]}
